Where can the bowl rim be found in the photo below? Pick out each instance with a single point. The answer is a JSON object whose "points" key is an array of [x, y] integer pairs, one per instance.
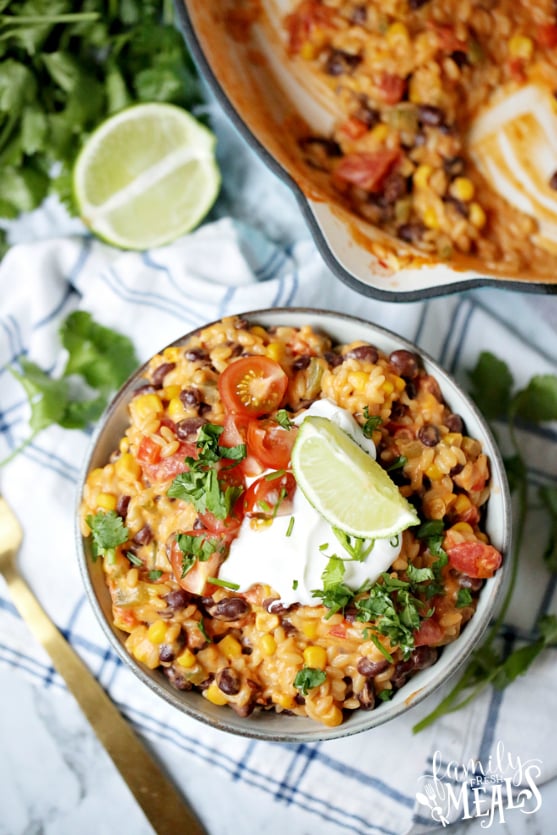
{"points": [[469, 282], [467, 640]]}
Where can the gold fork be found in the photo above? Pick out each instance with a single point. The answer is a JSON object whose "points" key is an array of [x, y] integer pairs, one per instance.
{"points": [[163, 806]]}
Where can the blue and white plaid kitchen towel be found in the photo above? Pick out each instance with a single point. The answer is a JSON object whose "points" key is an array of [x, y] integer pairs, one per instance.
{"points": [[364, 784]]}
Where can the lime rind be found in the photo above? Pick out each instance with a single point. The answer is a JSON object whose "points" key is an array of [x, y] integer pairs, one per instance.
{"points": [[346, 485]]}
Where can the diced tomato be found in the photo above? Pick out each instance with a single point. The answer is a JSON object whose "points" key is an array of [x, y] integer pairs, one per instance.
{"points": [[354, 128], [164, 469], [271, 443], [301, 23], [270, 496], [195, 579], [447, 39], [235, 432], [149, 451], [546, 35], [475, 559], [517, 70], [430, 633], [367, 170], [391, 87], [338, 631], [252, 386]]}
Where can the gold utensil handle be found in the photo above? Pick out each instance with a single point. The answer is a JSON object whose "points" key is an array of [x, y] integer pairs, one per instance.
{"points": [[165, 809]]}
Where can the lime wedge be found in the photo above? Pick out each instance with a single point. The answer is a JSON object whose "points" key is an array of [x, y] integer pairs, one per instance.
{"points": [[146, 176], [346, 485]]}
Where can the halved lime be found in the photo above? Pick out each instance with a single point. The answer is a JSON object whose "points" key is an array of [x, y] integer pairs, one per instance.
{"points": [[146, 176], [346, 485]]}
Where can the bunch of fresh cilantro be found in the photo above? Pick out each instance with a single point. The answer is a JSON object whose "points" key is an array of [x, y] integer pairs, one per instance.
{"points": [[99, 360], [493, 389], [64, 67]]}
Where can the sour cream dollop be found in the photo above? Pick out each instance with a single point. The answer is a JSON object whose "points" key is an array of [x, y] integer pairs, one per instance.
{"points": [[290, 556]]}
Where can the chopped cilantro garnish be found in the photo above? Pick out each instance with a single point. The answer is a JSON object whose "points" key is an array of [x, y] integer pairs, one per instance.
{"points": [[294, 584], [335, 595], [308, 678], [133, 558], [203, 630], [197, 547], [354, 545], [372, 422], [385, 695], [154, 575], [290, 526], [282, 419], [393, 610], [397, 464], [107, 532], [463, 598], [225, 584]]}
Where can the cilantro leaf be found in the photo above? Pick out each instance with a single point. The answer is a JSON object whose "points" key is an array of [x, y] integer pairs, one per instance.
{"points": [[372, 422], [492, 384], [197, 547], [463, 598], [538, 401], [283, 419], [107, 532], [308, 678], [335, 595], [518, 662], [548, 495], [47, 397]]}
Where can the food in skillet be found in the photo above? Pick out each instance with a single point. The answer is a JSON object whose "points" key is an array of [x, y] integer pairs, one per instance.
{"points": [[238, 560], [446, 123]]}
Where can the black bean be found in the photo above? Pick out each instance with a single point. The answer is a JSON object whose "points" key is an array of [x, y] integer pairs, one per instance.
{"points": [[274, 605], [401, 673], [394, 187], [366, 353], [160, 373], [423, 657], [454, 423], [195, 354], [458, 468], [366, 667], [229, 608], [228, 681], [411, 232], [146, 388], [398, 410], [368, 115], [553, 181], [177, 599], [166, 653], [428, 434], [459, 205], [122, 506], [460, 58], [454, 166], [188, 428], [358, 14], [191, 397], [339, 62], [333, 359], [406, 363], [471, 583], [143, 536], [318, 151], [177, 679], [430, 115], [301, 362], [366, 696], [417, 4]]}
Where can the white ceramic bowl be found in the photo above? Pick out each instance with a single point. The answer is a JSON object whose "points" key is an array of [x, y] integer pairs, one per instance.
{"points": [[284, 728], [265, 95]]}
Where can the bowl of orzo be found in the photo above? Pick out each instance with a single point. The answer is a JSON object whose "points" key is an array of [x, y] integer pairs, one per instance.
{"points": [[418, 137], [293, 524]]}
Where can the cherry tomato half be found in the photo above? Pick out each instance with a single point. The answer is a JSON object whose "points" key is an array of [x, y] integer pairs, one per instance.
{"points": [[270, 496], [270, 443], [476, 559], [252, 386]]}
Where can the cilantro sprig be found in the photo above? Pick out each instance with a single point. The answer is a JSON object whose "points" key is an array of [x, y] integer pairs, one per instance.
{"points": [[492, 387], [308, 678], [99, 359], [197, 547], [200, 483], [107, 533]]}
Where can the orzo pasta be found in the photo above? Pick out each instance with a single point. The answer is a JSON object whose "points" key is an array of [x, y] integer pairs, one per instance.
{"points": [[409, 78], [203, 470]]}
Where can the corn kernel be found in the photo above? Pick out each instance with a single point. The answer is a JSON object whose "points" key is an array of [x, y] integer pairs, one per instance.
{"points": [[397, 33], [422, 175], [95, 476], [332, 717], [186, 659], [124, 445], [521, 47], [379, 133], [230, 647], [215, 695], [171, 354], [431, 219], [309, 628], [463, 528], [126, 465], [106, 501], [452, 439], [175, 408], [307, 52], [462, 189], [144, 406], [140, 653], [284, 700], [275, 351], [434, 473], [266, 622], [359, 380], [267, 645], [315, 656], [400, 384], [388, 387], [477, 216], [157, 632], [132, 578], [169, 392]]}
